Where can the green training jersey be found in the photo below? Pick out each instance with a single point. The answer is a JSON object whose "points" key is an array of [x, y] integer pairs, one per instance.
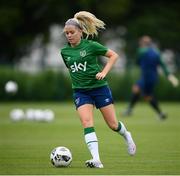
{"points": [[82, 63]]}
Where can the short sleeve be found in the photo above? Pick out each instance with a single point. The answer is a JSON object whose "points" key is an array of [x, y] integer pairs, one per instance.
{"points": [[98, 49], [63, 58]]}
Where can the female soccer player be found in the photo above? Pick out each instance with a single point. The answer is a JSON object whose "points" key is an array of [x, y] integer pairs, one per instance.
{"points": [[88, 81]]}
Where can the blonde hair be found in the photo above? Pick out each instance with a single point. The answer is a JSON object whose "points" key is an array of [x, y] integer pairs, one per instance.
{"points": [[89, 23]]}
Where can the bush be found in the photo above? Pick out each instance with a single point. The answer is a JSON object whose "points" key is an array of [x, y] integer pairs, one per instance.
{"points": [[121, 85], [44, 86], [56, 86]]}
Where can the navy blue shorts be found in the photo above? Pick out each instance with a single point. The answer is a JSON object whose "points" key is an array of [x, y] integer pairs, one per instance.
{"points": [[146, 86], [99, 97]]}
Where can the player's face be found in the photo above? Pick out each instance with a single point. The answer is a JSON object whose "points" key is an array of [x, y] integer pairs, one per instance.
{"points": [[145, 41], [73, 34]]}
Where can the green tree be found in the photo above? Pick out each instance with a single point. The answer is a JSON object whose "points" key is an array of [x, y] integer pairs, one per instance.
{"points": [[22, 20]]}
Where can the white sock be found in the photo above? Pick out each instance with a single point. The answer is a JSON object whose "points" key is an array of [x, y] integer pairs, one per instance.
{"points": [[92, 143], [122, 130]]}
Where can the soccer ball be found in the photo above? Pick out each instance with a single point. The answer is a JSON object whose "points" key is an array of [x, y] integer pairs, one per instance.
{"points": [[17, 114], [61, 157], [38, 115], [48, 115], [11, 87], [29, 115]]}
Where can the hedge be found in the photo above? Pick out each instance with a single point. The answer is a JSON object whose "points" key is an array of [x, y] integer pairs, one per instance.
{"points": [[49, 85]]}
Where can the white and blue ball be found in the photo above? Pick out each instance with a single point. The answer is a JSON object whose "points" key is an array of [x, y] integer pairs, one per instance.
{"points": [[61, 156], [11, 87], [17, 115]]}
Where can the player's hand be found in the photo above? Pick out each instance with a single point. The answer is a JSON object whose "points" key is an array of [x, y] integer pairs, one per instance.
{"points": [[174, 81], [100, 75]]}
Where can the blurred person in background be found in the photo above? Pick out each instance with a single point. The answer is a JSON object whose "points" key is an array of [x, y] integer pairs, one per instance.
{"points": [[149, 59], [89, 84]]}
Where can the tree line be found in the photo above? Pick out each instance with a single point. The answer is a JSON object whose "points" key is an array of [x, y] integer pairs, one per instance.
{"points": [[23, 20]]}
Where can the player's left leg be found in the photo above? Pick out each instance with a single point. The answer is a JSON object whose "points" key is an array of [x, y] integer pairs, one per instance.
{"points": [[149, 96], [155, 105], [104, 101], [108, 113]]}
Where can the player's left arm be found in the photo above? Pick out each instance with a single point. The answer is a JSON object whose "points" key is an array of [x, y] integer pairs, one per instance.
{"points": [[112, 57], [164, 67], [174, 81]]}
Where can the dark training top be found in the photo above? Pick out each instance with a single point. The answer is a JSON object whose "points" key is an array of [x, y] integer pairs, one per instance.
{"points": [[149, 59]]}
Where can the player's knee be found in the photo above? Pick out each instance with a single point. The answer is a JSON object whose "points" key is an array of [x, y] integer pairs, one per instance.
{"points": [[86, 123], [136, 89], [147, 98]]}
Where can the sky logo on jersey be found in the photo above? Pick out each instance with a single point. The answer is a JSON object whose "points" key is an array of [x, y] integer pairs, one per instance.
{"points": [[78, 67]]}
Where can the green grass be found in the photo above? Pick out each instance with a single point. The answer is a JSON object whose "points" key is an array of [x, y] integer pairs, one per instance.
{"points": [[25, 146]]}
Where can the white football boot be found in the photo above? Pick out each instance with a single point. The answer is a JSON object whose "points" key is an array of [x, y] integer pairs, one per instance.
{"points": [[94, 164], [130, 143]]}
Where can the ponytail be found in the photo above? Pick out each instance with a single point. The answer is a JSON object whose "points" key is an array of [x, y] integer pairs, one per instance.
{"points": [[89, 23]]}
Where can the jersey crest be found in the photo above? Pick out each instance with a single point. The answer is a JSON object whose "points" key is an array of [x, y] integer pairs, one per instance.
{"points": [[83, 53]]}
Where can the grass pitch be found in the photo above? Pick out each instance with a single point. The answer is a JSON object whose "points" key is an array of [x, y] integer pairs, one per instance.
{"points": [[25, 146]]}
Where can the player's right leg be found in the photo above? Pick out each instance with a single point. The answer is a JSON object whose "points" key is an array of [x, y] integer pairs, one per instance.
{"points": [[134, 99], [86, 116]]}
